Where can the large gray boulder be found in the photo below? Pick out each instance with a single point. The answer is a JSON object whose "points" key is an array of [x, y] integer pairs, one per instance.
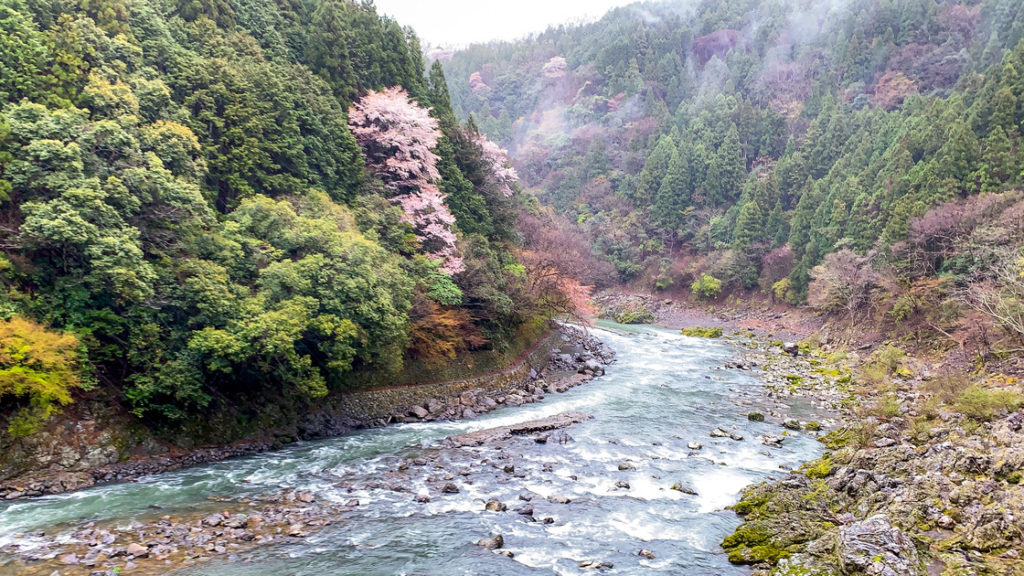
{"points": [[874, 546]]}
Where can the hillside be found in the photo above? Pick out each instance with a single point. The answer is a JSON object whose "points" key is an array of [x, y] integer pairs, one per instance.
{"points": [[223, 208], [729, 147]]}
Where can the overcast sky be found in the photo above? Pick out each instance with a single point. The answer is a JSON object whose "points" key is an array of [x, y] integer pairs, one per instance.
{"points": [[461, 22]]}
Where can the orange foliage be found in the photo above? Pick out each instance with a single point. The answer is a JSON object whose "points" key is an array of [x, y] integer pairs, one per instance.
{"points": [[439, 332], [892, 88]]}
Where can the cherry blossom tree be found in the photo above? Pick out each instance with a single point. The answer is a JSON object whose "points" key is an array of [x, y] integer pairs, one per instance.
{"points": [[397, 138], [496, 158]]}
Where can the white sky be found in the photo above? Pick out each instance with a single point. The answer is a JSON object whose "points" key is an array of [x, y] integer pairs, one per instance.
{"points": [[462, 22]]}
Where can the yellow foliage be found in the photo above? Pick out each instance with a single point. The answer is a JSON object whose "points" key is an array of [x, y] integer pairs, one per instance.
{"points": [[40, 364]]}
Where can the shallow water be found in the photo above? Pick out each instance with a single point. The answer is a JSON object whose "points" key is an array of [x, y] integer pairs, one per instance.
{"points": [[664, 391]]}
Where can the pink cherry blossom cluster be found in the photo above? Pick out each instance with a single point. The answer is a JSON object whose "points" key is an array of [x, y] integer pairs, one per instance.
{"points": [[501, 171], [426, 211], [397, 138]]}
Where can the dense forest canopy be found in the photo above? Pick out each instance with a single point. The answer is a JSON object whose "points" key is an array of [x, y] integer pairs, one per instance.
{"points": [[732, 146], [204, 199]]}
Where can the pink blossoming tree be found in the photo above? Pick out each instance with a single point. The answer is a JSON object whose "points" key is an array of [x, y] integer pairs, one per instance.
{"points": [[397, 138], [496, 158]]}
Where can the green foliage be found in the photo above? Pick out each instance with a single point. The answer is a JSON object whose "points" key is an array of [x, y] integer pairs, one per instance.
{"points": [[38, 365], [984, 404], [706, 287], [180, 189]]}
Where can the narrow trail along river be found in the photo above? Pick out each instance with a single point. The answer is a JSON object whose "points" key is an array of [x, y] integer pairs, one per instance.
{"points": [[617, 472]]}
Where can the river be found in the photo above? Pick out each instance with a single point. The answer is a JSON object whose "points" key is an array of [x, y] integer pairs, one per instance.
{"points": [[664, 391]]}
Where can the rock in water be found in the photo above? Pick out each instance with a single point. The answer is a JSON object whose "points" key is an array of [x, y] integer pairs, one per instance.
{"points": [[791, 424], [694, 445], [495, 506], [874, 546], [492, 543], [684, 489]]}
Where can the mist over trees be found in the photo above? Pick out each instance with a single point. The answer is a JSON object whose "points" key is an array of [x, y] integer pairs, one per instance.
{"points": [[694, 140]]}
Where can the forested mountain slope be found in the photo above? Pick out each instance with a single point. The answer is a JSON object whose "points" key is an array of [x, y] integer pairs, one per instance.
{"points": [[190, 215], [729, 146]]}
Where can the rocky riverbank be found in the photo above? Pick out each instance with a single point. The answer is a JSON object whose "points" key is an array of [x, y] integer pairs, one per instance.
{"points": [[93, 450], [227, 528], [923, 475], [926, 451]]}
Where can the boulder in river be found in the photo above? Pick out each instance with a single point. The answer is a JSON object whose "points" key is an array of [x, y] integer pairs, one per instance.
{"points": [[791, 424], [492, 543], [684, 489], [593, 367], [495, 506], [493, 435], [694, 445]]}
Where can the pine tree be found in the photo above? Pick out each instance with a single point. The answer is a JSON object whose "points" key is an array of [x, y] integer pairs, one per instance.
{"points": [[654, 171], [726, 170], [673, 196], [750, 226]]}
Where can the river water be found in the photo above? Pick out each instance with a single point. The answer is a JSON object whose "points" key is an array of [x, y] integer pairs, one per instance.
{"points": [[664, 391]]}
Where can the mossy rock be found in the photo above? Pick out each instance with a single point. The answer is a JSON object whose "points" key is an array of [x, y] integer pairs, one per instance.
{"points": [[755, 417], [634, 314], [698, 332], [838, 438], [819, 468]]}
